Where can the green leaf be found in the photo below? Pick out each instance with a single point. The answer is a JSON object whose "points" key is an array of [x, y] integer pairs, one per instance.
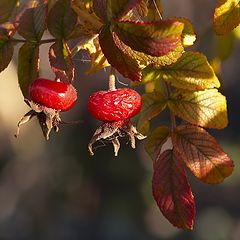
{"points": [[150, 74], [192, 71], [153, 104], [118, 56], [188, 34], [33, 22], [6, 51], [61, 61], [202, 154], [172, 192], [28, 66], [155, 141], [226, 16], [206, 108], [6, 9], [152, 38], [62, 19]]}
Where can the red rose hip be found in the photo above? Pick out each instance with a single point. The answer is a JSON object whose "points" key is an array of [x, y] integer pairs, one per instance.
{"points": [[115, 108], [53, 94], [47, 99], [115, 105]]}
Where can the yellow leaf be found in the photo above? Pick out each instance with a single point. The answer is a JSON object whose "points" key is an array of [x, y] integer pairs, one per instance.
{"points": [[98, 60], [153, 104], [236, 32], [188, 34], [192, 72], [202, 154], [88, 23], [155, 141], [206, 108], [226, 16]]}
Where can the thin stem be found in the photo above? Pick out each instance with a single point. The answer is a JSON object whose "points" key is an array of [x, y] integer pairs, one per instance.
{"points": [[18, 40], [41, 42], [48, 41], [158, 11], [172, 115], [112, 80]]}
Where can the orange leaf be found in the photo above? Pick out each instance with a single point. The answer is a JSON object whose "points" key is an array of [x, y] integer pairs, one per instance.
{"points": [[172, 191], [202, 154], [226, 16]]}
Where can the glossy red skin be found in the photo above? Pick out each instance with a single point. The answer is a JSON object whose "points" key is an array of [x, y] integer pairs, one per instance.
{"points": [[116, 105], [52, 94]]}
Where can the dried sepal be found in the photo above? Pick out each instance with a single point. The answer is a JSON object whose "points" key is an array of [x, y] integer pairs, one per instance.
{"points": [[111, 131], [48, 118]]}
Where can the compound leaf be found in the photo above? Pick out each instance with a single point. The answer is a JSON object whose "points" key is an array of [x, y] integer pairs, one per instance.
{"points": [[202, 154], [172, 191], [206, 108]]}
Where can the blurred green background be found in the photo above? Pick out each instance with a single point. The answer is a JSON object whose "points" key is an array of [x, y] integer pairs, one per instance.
{"points": [[55, 190]]}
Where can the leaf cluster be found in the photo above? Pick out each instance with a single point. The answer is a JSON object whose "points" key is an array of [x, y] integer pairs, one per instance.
{"points": [[132, 37]]}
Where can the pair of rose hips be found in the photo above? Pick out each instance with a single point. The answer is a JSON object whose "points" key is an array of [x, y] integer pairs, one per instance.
{"points": [[113, 107]]}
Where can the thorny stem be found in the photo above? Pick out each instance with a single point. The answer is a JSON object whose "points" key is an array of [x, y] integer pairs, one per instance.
{"points": [[172, 116], [112, 80]]}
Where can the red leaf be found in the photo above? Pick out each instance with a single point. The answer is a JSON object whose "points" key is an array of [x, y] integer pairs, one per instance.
{"points": [[113, 50], [202, 154], [153, 38], [172, 191], [61, 61]]}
